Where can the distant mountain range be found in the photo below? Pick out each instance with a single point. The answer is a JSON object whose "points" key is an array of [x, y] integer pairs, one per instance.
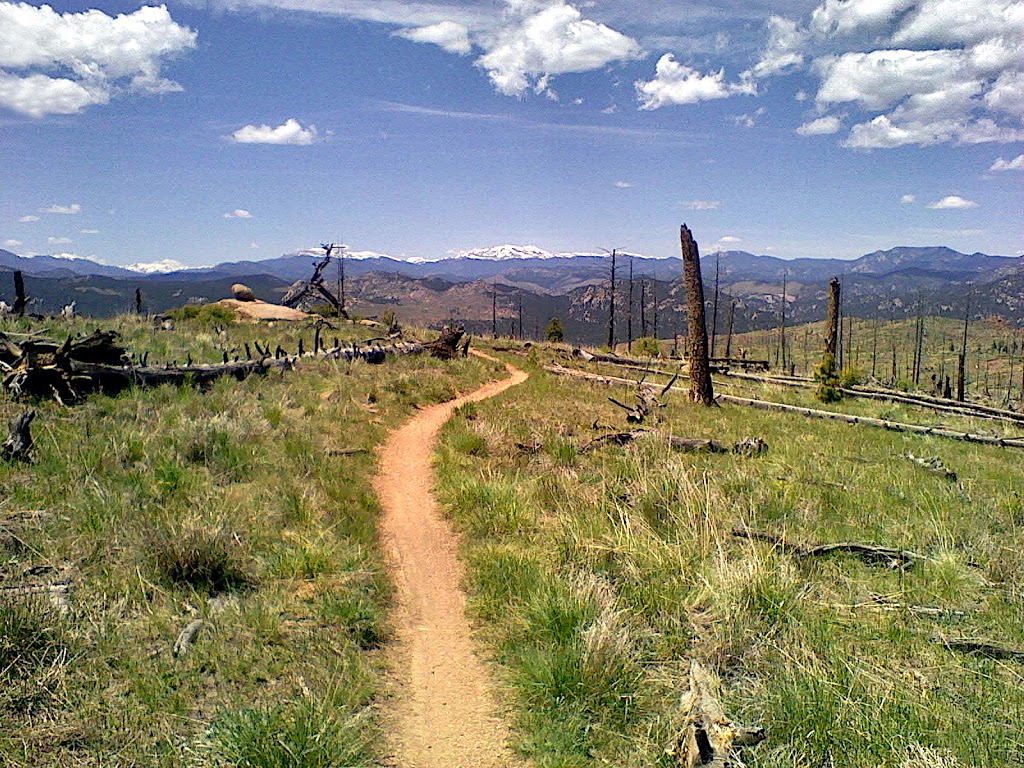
{"points": [[572, 286]]}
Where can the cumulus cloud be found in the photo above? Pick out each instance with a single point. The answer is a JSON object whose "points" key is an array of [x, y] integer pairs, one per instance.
{"points": [[727, 241], [921, 72], [89, 231], [12, 243], [823, 126], [908, 200], [541, 39], [676, 83], [27, 219], [449, 35], [58, 240], [289, 132], [623, 184], [748, 120], [238, 213], [1017, 164], [952, 203], [66, 210], [60, 63], [703, 205]]}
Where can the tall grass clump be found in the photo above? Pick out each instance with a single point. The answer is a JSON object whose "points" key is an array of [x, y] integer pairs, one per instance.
{"points": [[34, 649]]}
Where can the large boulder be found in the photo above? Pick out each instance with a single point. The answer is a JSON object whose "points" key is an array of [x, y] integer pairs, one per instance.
{"points": [[242, 292]]}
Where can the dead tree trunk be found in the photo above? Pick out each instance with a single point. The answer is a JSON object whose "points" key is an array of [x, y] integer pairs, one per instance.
{"points": [[714, 304], [700, 373], [138, 301], [611, 306], [832, 329], [961, 371], [20, 299], [728, 337]]}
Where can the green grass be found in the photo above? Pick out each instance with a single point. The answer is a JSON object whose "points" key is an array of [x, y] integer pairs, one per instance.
{"points": [[243, 505], [597, 577]]}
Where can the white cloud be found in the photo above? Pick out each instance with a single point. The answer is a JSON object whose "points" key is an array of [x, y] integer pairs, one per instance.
{"points": [[60, 63], [76, 257], [58, 240], [254, 246], [1017, 164], [27, 219], [623, 184], [676, 83], [728, 240], [703, 205], [823, 126], [783, 51], [89, 231], [952, 202], [450, 36], [12, 243], [289, 132], [548, 38], [67, 210], [238, 213], [748, 120], [922, 72], [908, 200]]}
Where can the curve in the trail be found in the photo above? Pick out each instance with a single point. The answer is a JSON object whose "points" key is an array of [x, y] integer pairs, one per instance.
{"points": [[444, 714]]}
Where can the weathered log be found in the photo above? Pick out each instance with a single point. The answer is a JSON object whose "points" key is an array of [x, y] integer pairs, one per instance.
{"points": [[186, 637], [18, 446], [875, 555], [708, 736]]}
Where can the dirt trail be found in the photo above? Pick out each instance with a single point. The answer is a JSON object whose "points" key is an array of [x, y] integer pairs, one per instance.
{"points": [[444, 714]]}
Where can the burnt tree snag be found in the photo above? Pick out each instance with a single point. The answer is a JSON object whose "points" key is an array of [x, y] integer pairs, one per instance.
{"points": [[305, 289], [832, 328], [449, 344], [138, 301], [20, 299], [611, 306], [961, 369], [701, 390]]}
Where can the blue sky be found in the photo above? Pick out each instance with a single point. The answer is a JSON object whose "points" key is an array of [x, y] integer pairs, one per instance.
{"points": [[205, 132]]}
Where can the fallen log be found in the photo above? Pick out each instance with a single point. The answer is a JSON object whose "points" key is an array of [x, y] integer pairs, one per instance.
{"points": [[932, 464], [748, 446], [18, 446], [708, 736], [983, 648], [875, 555]]}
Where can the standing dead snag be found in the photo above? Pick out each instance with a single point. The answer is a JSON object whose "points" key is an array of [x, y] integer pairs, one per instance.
{"points": [[304, 290], [700, 366], [708, 737]]}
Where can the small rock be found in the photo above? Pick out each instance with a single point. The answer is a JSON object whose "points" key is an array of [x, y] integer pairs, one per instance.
{"points": [[242, 292]]}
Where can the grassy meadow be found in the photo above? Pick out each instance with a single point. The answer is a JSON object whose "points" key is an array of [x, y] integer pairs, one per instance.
{"points": [[595, 577], [247, 507]]}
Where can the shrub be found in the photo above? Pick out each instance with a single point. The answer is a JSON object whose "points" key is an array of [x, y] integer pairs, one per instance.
{"points": [[555, 332], [647, 346], [827, 376]]}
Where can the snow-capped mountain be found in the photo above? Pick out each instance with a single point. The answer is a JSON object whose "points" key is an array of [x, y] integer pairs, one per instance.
{"points": [[506, 253]]}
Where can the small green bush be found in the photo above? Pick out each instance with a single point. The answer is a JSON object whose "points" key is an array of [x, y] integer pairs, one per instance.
{"points": [[646, 346], [33, 650]]}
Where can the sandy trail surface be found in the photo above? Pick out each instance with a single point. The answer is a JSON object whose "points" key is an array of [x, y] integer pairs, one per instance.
{"points": [[441, 712]]}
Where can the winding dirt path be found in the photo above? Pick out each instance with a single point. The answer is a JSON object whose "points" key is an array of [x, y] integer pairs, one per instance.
{"points": [[444, 714]]}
